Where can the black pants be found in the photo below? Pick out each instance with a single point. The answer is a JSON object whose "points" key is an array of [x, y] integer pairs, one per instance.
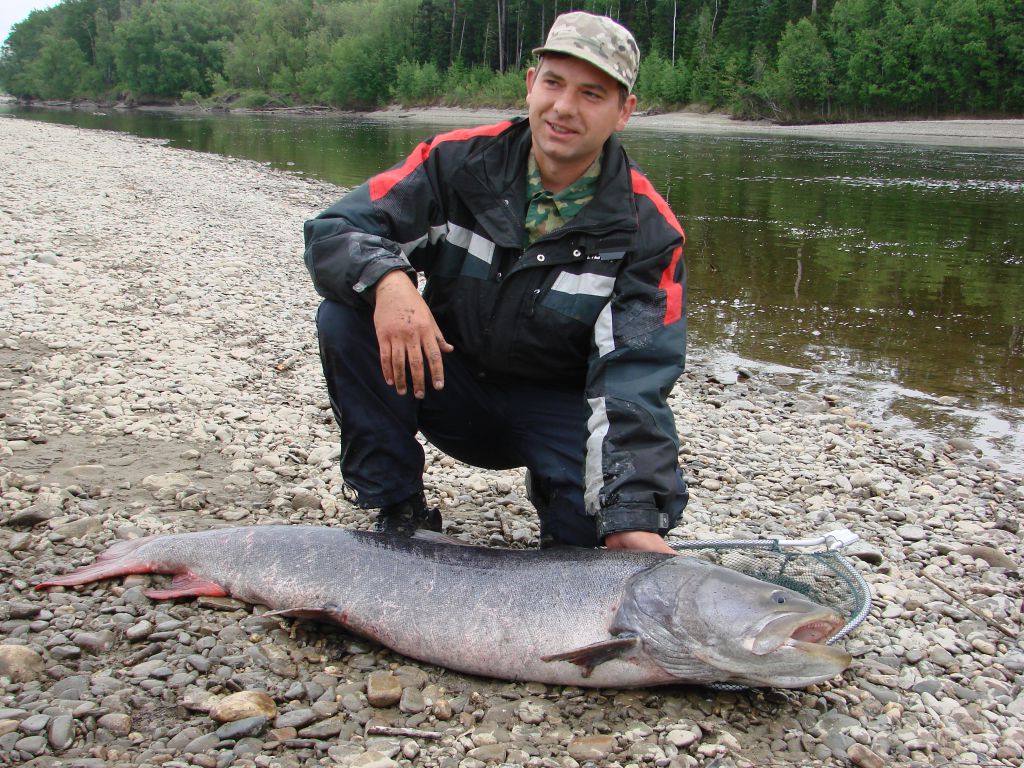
{"points": [[489, 424]]}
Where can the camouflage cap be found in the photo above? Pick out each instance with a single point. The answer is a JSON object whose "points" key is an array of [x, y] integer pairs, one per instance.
{"points": [[598, 40]]}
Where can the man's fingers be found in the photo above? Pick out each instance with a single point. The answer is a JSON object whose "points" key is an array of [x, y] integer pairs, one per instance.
{"points": [[398, 368], [415, 357], [385, 361]]}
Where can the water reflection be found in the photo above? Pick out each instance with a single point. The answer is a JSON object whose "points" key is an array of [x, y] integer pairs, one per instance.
{"points": [[894, 272]]}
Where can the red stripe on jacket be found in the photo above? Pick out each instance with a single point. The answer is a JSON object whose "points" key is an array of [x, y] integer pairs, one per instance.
{"points": [[673, 288], [384, 182]]}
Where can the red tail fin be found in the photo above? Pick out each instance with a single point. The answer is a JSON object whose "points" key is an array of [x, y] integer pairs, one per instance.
{"points": [[119, 560]]}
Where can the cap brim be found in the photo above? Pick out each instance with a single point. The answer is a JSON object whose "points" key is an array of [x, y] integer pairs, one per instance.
{"points": [[575, 53]]}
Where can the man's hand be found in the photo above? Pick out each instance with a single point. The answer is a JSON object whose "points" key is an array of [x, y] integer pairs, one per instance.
{"points": [[406, 333], [643, 540]]}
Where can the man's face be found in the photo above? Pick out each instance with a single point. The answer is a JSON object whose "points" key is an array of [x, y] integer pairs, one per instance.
{"points": [[574, 107]]}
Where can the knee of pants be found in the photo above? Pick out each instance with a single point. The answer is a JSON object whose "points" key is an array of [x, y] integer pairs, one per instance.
{"points": [[340, 326]]}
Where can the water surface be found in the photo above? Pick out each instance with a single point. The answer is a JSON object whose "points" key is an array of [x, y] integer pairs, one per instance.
{"points": [[888, 275]]}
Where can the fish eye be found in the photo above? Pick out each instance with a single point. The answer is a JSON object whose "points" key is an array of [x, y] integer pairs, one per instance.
{"points": [[779, 598]]}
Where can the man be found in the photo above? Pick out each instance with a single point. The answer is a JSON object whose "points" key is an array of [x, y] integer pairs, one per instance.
{"points": [[551, 327]]}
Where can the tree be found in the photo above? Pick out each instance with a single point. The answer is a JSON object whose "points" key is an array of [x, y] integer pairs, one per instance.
{"points": [[803, 69], [167, 47]]}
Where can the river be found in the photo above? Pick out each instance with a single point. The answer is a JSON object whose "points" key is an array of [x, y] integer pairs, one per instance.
{"points": [[889, 276]]}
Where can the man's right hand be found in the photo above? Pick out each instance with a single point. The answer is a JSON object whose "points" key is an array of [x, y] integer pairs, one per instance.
{"points": [[407, 333]]}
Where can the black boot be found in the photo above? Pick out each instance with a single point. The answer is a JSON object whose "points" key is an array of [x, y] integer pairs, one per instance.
{"points": [[540, 500], [408, 516]]}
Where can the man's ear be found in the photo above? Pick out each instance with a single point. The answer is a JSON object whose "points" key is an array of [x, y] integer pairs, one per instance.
{"points": [[531, 75], [626, 112]]}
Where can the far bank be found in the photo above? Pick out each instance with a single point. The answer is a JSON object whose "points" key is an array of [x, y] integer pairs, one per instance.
{"points": [[962, 132]]}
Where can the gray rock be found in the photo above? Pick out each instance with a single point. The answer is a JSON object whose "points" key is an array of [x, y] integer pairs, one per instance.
{"points": [[33, 515], [116, 722], [34, 724], [295, 718], [31, 745], [912, 533], [239, 729], [325, 729], [201, 744], [61, 732]]}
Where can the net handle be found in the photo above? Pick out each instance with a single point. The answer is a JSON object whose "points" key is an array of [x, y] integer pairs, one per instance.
{"points": [[831, 541]]}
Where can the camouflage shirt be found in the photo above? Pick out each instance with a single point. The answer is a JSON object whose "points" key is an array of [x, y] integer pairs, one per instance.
{"points": [[546, 212]]}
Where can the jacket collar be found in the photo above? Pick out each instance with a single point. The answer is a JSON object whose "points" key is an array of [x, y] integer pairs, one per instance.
{"points": [[492, 184]]}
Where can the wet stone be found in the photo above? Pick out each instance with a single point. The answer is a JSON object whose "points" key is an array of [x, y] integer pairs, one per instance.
{"points": [[296, 718], [239, 729]]}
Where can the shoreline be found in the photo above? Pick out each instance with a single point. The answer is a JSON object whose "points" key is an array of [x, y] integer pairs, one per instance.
{"points": [[160, 374], [995, 133]]}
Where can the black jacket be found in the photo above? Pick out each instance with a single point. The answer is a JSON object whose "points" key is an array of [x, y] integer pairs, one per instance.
{"points": [[597, 304]]}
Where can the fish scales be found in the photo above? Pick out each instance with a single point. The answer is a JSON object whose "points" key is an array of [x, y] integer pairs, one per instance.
{"points": [[512, 614]]}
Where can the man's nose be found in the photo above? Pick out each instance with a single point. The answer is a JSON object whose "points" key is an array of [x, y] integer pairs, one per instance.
{"points": [[565, 104]]}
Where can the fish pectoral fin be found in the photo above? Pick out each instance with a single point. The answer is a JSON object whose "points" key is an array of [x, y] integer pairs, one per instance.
{"points": [[589, 656], [328, 614], [187, 584]]}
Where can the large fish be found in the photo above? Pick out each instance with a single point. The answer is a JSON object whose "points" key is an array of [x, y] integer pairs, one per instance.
{"points": [[563, 615]]}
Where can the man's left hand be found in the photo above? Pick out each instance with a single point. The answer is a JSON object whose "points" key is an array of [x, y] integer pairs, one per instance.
{"points": [[642, 540]]}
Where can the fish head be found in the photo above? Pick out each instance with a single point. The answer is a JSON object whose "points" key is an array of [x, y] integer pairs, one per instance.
{"points": [[706, 623]]}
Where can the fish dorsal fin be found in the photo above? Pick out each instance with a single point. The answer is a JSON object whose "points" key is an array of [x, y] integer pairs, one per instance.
{"points": [[589, 656]]}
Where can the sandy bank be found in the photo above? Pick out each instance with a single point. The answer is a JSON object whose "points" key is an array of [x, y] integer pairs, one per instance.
{"points": [[964, 133]]}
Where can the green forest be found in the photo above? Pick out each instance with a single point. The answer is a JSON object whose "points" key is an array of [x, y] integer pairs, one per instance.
{"points": [[779, 59]]}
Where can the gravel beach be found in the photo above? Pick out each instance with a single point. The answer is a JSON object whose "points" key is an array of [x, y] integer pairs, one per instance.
{"points": [[959, 132], [159, 373]]}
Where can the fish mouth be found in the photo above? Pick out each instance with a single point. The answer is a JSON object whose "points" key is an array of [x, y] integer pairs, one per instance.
{"points": [[816, 631], [796, 631]]}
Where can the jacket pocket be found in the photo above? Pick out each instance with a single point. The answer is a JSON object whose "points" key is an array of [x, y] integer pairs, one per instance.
{"points": [[581, 295]]}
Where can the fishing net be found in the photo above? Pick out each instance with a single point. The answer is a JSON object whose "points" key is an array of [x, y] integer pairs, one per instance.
{"points": [[813, 567]]}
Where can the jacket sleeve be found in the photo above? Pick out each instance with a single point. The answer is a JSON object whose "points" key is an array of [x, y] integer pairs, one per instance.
{"points": [[638, 354], [373, 230]]}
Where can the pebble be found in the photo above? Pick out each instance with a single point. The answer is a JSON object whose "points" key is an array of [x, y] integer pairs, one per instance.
{"points": [[597, 747], [20, 663], [239, 729], [178, 388], [243, 705], [383, 689]]}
